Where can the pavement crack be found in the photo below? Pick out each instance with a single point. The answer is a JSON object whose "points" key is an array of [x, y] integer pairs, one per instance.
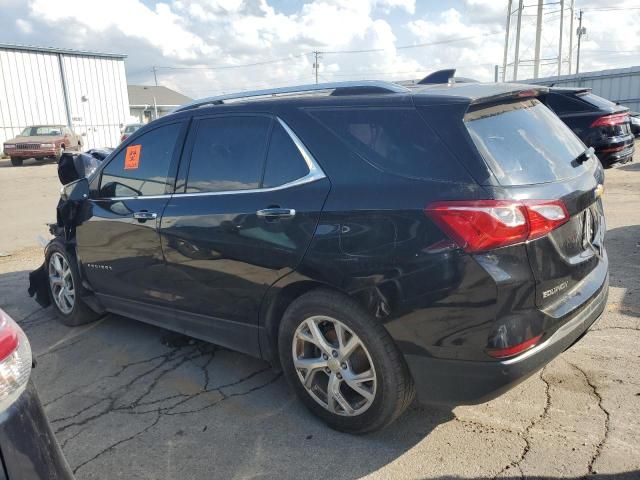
{"points": [[526, 434], [607, 419], [116, 444]]}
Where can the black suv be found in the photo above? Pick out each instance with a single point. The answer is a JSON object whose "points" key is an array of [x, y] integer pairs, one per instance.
{"points": [[369, 239], [599, 123]]}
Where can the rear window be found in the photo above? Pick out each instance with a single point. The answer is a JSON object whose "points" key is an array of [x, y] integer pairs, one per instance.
{"points": [[524, 142], [595, 100], [394, 140]]}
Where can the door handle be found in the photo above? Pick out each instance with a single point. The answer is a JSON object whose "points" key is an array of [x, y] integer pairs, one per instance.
{"points": [[276, 212], [143, 215]]}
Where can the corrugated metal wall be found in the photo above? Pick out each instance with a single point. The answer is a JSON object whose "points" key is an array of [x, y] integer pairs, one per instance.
{"points": [[618, 85], [32, 92]]}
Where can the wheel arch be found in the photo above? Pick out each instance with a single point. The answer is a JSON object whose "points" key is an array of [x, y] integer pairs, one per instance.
{"points": [[284, 293]]}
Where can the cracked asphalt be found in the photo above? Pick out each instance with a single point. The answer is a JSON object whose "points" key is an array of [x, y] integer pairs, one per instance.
{"points": [[132, 401]]}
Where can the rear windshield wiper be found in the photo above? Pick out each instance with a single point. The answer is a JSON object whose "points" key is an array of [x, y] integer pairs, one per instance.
{"points": [[584, 156]]}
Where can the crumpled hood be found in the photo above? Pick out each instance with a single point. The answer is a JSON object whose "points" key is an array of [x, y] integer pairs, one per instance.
{"points": [[36, 139]]}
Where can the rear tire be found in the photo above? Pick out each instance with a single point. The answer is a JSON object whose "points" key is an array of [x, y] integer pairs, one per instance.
{"points": [[65, 287], [16, 162], [383, 387]]}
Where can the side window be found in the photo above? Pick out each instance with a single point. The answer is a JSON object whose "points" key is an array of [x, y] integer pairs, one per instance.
{"points": [[284, 161], [397, 141], [141, 168], [228, 154]]}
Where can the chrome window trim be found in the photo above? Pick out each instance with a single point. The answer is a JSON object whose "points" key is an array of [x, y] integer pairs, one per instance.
{"points": [[315, 173]]}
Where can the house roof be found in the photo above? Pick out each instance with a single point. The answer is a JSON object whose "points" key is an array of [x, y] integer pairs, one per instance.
{"points": [[144, 94]]}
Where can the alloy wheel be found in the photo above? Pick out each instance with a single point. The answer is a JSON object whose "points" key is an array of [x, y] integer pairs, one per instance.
{"points": [[334, 366], [61, 281]]}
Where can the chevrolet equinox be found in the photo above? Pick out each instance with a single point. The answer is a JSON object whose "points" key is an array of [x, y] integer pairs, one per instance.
{"points": [[373, 241]]}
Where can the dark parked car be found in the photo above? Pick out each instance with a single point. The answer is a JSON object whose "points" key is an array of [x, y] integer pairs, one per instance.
{"points": [[369, 239], [599, 123], [634, 118], [28, 448], [41, 142]]}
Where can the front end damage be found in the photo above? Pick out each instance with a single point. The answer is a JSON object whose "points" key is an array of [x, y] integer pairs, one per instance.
{"points": [[71, 211]]}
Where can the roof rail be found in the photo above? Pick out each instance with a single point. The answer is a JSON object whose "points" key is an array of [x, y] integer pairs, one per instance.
{"points": [[351, 88]]}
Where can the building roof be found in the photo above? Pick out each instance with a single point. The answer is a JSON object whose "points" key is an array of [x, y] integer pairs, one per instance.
{"points": [[143, 95], [65, 51]]}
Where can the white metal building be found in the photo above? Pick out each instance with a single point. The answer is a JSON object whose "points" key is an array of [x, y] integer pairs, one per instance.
{"points": [[86, 91]]}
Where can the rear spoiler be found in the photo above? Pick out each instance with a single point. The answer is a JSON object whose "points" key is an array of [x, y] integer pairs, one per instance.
{"points": [[510, 94], [444, 76]]}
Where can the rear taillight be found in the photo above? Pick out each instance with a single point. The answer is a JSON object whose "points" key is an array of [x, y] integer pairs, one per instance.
{"points": [[514, 350], [15, 361], [611, 120], [123, 138], [481, 225]]}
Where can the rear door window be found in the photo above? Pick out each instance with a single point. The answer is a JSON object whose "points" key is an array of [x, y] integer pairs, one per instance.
{"points": [[395, 140], [228, 154], [524, 143], [284, 161]]}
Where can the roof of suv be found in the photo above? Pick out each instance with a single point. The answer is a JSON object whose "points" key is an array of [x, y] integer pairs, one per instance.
{"points": [[450, 92]]}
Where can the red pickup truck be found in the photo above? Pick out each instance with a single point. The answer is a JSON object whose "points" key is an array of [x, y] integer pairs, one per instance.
{"points": [[41, 142]]}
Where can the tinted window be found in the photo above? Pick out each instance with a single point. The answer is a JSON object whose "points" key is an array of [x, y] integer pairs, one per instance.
{"points": [[284, 161], [394, 140], [599, 102], [566, 104], [141, 168], [228, 154], [525, 142]]}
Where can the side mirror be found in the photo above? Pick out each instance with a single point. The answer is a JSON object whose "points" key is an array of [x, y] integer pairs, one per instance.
{"points": [[75, 166], [75, 191]]}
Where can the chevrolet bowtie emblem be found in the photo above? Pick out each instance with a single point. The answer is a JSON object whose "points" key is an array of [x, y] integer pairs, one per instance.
{"points": [[599, 191]]}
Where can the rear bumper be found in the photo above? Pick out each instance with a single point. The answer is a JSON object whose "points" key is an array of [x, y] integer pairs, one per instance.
{"points": [[29, 450], [616, 153], [458, 382]]}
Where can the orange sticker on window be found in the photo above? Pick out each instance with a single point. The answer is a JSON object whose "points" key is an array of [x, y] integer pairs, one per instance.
{"points": [[132, 157]]}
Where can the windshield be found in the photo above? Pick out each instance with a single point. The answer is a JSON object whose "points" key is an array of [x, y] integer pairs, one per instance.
{"points": [[42, 131], [524, 142], [131, 128]]}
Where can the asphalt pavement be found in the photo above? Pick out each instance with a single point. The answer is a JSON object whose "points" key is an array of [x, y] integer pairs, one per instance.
{"points": [[132, 401]]}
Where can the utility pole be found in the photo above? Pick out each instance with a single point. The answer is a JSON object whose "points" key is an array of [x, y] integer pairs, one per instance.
{"points": [[506, 41], [536, 58], [155, 76], [560, 42], [581, 31], [516, 58], [316, 65], [571, 38]]}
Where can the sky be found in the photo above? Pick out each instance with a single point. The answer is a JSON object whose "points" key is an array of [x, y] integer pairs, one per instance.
{"points": [[207, 47]]}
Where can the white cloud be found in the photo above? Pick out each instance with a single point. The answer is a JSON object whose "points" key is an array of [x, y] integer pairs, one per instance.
{"points": [[408, 5], [203, 33], [24, 26]]}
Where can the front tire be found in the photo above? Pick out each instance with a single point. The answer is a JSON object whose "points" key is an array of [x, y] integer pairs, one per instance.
{"points": [[342, 363], [65, 287], [16, 162]]}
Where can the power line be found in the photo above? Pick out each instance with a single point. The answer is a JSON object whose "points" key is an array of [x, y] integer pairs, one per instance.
{"points": [[227, 67], [416, 45]]}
